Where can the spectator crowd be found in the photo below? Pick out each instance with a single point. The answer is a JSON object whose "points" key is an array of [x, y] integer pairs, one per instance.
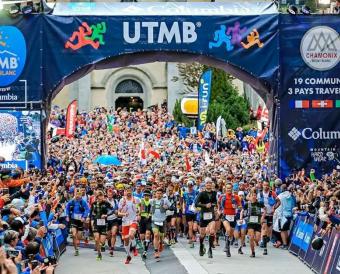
{"points": [[169, 182]]}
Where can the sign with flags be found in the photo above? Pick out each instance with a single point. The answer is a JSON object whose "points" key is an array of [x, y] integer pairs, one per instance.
{"points": [[204, 91], [71, 118]]}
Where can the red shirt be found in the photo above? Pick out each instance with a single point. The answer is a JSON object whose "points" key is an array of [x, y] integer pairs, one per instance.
{"points": [[228, 207]]}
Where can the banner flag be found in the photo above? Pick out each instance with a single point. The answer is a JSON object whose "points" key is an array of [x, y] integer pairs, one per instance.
{"points": [[204, 91], [71, 118]]}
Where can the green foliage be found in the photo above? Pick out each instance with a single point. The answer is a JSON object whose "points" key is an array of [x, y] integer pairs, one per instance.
{"points": [[226, 101], [312, 5], [180, 117], [190, 75]]}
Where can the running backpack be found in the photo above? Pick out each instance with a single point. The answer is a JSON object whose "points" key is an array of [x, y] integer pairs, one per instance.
{"points": [[271, 200], [224, 199]]}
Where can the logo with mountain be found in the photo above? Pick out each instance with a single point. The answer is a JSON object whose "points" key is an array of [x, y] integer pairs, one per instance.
{"points": [[320, 48], [12, 54]]}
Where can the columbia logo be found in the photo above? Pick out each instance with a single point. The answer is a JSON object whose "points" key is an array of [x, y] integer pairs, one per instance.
{"points": [[294, 133]]}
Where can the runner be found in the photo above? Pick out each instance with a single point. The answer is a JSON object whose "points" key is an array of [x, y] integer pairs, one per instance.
{"points": [[268, 198], [206, 200], [145, 222], [159, 205], [188, 208], [113, 221], [77, 211], [256, 214], [229, 203], [171, 215], [128, 210], [99, 212], [241, 225]]}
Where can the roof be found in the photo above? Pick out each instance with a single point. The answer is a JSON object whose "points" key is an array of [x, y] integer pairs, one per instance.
{"points": [[164, 9]]}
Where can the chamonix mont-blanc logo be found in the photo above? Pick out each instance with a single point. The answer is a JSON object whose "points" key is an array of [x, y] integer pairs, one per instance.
{"points": [[320, 48]]}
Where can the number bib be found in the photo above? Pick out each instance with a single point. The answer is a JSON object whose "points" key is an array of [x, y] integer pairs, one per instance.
{"points": [[101, 222], [241, 222], [78, 216], [253, 219], [158, 223], [169, 212], [207, 216], [229, 218]]}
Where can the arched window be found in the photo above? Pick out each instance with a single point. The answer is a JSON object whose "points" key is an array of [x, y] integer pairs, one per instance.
{"points": [[129, 86]]}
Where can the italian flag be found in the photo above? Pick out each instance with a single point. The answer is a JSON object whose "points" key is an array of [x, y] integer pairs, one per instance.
{"points": [[337, 103]]}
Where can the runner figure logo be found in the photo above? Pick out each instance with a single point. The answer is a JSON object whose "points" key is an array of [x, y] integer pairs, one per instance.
{"points": [[86, 35], [253, 39], [221, 37], [233, 37]]}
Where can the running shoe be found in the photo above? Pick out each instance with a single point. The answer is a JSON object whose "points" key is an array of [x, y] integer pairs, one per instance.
{"points": [[128, 259], [76, 252], [252, 255], [99, 257], [144, 255], [265, 252], [111, 252], [240, 251]]}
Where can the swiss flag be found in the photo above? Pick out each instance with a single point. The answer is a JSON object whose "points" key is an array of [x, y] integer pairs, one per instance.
{"points": [[322, 103]]}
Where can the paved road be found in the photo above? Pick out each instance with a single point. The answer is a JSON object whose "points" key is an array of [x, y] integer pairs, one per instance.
{"points": [[181, 259]]}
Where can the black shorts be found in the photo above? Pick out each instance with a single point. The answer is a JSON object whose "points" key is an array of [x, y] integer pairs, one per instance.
{"points": [[144, 225], [113, 223], [102, 230], [232, 224], [286, 225], [256, 227], [159, 228], [168, 218], [77, 224], [190, 217], [269, 220]]}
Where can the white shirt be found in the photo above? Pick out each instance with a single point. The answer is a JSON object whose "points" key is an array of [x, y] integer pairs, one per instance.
{"points": [[130, 207]]}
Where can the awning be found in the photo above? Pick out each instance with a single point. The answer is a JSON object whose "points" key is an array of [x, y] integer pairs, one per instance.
{"points": [[164, 9]]}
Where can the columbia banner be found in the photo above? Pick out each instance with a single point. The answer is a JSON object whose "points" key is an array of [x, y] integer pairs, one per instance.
{"points": [[309, 94], [204, 98]]}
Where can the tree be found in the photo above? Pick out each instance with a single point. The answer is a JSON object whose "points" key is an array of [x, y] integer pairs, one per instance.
{"points": [[190, 74], [226, 101], [180, 117]]}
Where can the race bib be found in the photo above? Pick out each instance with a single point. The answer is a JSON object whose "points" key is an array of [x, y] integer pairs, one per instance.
{"points": [[240, 222], [192, 208], [207, 215], [78, 216], [253, 219], [101, 222], [169, 212], [158, 223], [229, 218]]}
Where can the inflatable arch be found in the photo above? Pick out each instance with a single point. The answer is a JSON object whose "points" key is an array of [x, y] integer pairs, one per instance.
{"points": [[291, 61]]}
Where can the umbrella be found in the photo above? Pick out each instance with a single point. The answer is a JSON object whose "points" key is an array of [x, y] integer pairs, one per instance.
{"points": [[108, 160]]}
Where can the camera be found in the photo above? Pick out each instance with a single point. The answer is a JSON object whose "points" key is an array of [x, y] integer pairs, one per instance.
{"points": [[34, 264], [12, 253]]}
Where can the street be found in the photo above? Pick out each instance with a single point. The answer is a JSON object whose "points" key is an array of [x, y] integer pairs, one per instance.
{"points": [[181, 259]]}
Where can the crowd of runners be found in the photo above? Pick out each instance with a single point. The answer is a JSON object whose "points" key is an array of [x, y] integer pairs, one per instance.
{"points": [[170, 186]]}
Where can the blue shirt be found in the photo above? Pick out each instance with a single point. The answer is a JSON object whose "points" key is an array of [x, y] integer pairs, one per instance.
{"points": [[189, 199]]}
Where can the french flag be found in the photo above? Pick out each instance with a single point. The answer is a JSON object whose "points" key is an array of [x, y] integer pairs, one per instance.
{"points": [[299, 103]]}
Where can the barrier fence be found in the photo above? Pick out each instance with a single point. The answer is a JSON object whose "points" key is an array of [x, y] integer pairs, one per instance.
{"points": [[54, 244], [323, 261]]}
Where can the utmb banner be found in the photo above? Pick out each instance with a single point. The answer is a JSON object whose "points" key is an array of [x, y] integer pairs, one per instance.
{"points": [[309, 93]]}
